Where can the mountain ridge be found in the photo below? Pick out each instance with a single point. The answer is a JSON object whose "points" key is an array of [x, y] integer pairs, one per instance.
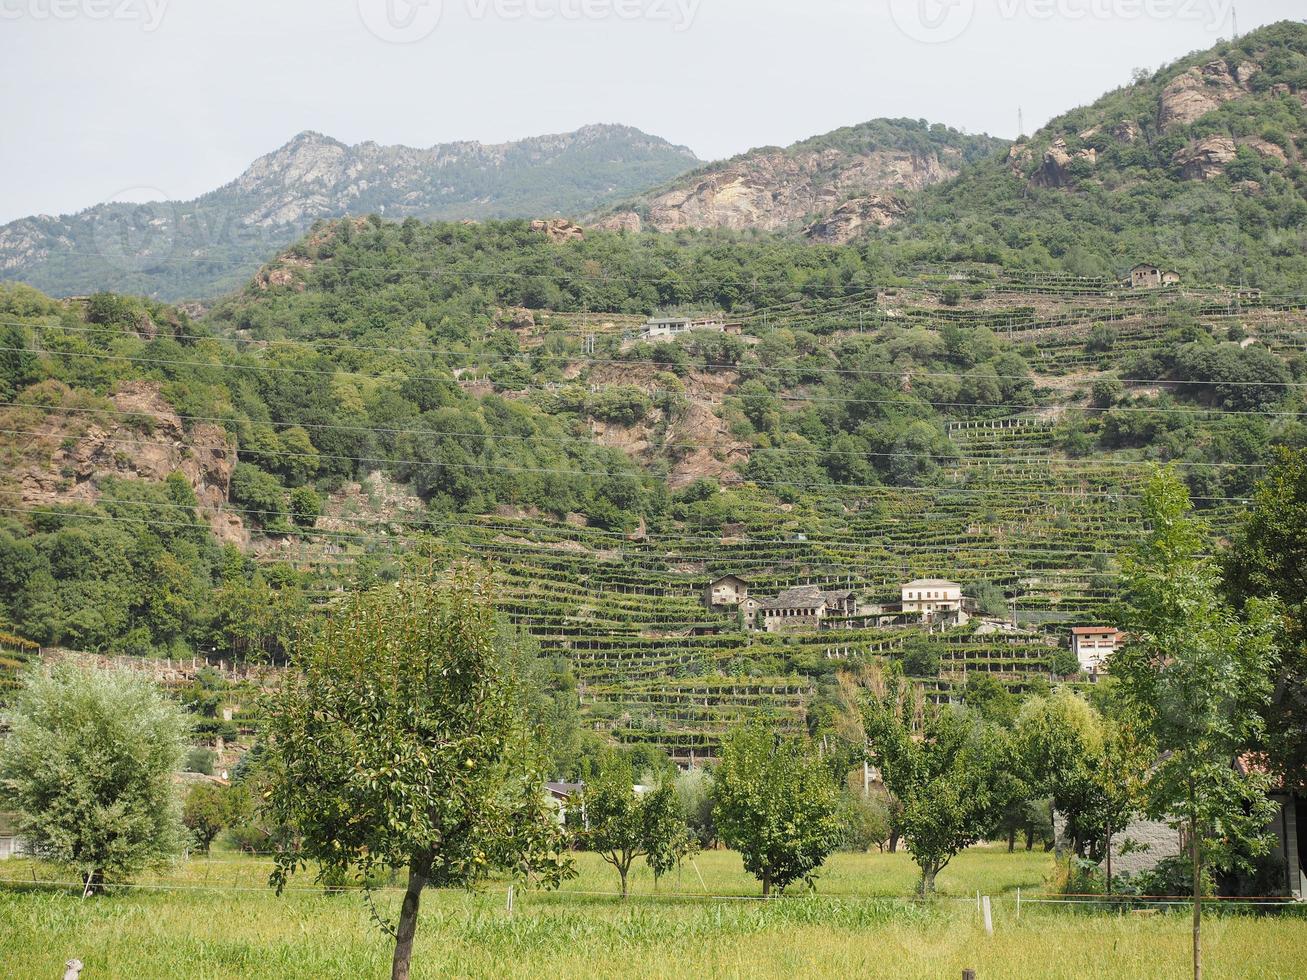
{"points": [[212, 243]]}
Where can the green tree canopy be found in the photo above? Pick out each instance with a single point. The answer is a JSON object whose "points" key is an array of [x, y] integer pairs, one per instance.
{"points": [[88, 766]]}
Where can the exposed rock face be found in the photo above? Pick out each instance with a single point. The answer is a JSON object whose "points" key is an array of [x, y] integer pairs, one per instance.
{"points": [[627, 221], [776, 189], [1198, 91], [1055, 171], [853, 218], [69, 454], [1206, 159], [559, 230]]}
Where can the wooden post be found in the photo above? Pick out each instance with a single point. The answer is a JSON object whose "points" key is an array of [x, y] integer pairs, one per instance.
{"points": [[1018, 901], [968, 975], [989, 919]]}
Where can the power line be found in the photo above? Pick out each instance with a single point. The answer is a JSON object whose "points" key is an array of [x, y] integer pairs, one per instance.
{"points": [[228, 365], [540, 355], [942, 458]]}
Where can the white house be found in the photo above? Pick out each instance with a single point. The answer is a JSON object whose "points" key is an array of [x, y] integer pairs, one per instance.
{"points": [[1093, 645], [665, 327], [931, 597]]}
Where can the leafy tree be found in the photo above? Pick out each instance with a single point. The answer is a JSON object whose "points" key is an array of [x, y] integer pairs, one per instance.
{"points": [[621, 824], [1269, 558], [396, 742], [694, 793], [864, 821], [1198, 678], [939, 764], [207, 812], [261, 496], [88, 767], [776, 805], [305, 506]]}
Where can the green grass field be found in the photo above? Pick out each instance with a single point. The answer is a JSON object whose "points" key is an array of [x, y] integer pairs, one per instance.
{"points": [[215, 918]]}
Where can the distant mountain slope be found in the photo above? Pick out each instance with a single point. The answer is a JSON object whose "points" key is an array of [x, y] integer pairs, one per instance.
{"points": [[1200, 166], [833, 186], [201, 248]]}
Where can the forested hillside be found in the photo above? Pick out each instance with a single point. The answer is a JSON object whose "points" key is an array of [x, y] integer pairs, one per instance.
{"points": [[1197, 167], [391, 392]]}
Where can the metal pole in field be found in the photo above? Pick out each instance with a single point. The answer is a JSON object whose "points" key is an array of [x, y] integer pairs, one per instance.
{"points": [[1018, 901]]}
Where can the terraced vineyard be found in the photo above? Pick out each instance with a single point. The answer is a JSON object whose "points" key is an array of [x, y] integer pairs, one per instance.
{"points": [[1011, 510]]}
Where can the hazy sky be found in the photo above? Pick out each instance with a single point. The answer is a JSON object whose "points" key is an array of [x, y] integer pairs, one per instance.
{"points": [[139, 99]]}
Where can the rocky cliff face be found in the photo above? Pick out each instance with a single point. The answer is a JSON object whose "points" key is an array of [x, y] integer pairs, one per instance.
{"points": [[153, 248], [773, 190], [1138, 127], [832, 187], [65, 456]]}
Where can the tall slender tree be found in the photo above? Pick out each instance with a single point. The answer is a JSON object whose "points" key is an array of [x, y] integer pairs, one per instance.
{"points": [[1198, 677]]}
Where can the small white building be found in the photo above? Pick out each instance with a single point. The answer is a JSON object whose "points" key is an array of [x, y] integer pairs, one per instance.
{"points": [[1093, 645], [666, 327], [11, 845]]}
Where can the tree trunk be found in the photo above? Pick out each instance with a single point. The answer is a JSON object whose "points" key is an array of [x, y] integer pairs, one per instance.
{"points": [[893, 841], [928, 881], [1011, 839], [408, 923], [766, 885], [622, 872], [1198, 899], [1030, 838]]}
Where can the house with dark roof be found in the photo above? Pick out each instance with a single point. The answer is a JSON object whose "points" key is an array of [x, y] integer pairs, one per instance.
{"points": [[806, 607]]}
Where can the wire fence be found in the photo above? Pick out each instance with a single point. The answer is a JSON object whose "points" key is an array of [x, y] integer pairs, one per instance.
{"points": [[1016, 901]]}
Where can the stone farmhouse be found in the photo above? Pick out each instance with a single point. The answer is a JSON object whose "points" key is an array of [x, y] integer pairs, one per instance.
{"points": [[1146, 276], [806, 607], [731, 592]]}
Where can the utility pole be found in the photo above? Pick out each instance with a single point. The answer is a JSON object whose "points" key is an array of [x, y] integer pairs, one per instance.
{"points": [[1234, 22], [1021, 122]]}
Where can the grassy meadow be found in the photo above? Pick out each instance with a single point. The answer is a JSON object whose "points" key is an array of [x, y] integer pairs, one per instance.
{"points": [[215, 918]]}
